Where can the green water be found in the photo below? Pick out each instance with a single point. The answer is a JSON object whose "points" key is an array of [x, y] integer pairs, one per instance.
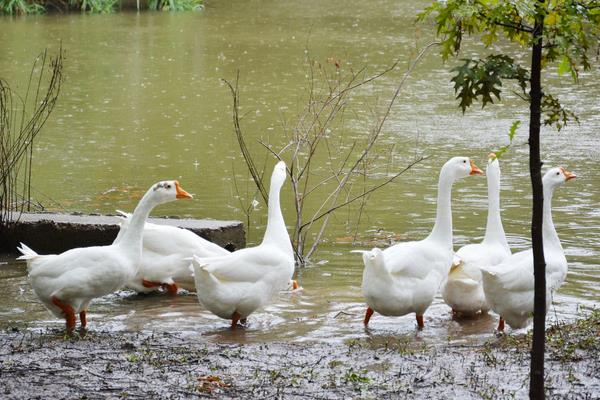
{"points": [[143, 101]]}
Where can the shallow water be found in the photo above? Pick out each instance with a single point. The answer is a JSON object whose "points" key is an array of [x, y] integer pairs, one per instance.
{"points": [[143, 101]]}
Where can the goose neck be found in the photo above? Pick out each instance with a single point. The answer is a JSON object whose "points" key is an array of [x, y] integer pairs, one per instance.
{"points": [[276, 232], [550, 237], [494, 231], [132, 237], [442, 229]]}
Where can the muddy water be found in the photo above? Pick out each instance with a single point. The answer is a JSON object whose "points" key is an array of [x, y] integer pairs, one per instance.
{"points": [[143, 101]]}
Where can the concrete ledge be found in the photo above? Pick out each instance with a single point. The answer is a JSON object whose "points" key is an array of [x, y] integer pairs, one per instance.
{"points": [[49, 233]]}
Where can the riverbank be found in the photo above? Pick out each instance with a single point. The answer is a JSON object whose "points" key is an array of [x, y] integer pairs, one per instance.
{"points": [[45, 364]]}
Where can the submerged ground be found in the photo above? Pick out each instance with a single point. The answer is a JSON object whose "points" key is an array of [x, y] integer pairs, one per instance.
{"points": [[45, 364]]}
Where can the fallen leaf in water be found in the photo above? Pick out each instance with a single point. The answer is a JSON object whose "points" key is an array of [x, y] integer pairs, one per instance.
{"points": [[210, 383], [345, 239]]}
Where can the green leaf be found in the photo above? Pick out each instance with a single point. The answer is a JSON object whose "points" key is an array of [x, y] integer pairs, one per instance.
{"points": [[555, 114], [513, 130], [551, 19], [482, 80], [564, 66], [511, 135]]}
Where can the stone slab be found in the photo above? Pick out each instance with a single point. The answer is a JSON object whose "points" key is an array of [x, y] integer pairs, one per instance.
{"points": [[49, 233]]}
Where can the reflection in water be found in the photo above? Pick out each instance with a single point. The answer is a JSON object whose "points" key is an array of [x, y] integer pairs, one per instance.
{"points": [[143, 101]]}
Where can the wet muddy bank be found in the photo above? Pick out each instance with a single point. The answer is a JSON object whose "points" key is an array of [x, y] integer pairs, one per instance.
{"points": [[44, 364]]}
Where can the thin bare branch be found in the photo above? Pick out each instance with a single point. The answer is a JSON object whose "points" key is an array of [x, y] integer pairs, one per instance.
{"points": [[371, 190], [256, 176], [329, 95], [20, 122]]}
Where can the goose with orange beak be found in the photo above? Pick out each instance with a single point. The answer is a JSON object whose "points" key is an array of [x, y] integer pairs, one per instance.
{"points": [[66, 283], [509, 286], [236, 285], [462, 290], [404, 278], [166, 254]]}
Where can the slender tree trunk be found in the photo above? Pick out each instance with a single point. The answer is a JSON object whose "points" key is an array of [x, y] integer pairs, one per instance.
{"points": [[536, 383]]}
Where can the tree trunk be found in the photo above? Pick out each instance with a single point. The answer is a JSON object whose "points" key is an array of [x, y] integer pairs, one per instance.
{"points": [[536, 383]]}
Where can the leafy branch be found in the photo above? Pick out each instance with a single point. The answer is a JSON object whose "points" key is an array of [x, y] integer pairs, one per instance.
{"points": [[511, 135], [555, 113], [479, 80]]}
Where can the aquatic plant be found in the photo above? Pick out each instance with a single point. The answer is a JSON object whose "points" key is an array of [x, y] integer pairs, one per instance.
{"points": [[96, 6], [21, 119], [16, 7], [175, 5]]}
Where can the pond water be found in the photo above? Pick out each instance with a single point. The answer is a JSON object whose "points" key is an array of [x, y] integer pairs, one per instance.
{"points": [[143, 101]]}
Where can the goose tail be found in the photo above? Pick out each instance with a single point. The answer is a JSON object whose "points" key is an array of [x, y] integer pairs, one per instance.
{"points": [[123, 215], [204, 279], [27, 253]]}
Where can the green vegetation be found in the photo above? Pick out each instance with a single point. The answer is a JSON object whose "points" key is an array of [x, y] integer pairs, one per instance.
{"points": [[568, 33], [566, 342], [175, 5], [23, 7], [12, 7], [95, 6]]}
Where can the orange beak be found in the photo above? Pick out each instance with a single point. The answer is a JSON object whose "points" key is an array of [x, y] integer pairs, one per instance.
{"points": [[182, 194], [568, 175], [492, 156], [475, 170]]}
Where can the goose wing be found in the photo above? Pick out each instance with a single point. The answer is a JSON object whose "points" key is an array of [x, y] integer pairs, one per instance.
{"points": [[415, 259], [514, 274], [245, 265], [165, 240], [85, 258]]}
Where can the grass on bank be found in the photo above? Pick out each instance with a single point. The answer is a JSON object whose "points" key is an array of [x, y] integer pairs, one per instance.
{"points": [[24, 7]]}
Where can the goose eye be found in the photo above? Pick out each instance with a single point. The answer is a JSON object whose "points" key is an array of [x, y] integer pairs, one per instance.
{"points": [[168, 186], [558, 173], [465, 161]]}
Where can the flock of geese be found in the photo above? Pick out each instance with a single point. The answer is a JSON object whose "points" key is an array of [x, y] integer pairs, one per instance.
{"points": [[399, 280]]}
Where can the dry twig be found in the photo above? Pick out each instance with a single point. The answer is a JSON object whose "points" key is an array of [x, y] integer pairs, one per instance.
{"points": [[317, 134]]}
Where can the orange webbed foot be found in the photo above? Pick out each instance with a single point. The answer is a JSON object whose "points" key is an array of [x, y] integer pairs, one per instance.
{"points": [[171, 288], [83, 319], [368, 315], [420, 322], [150, 284], [235, 317], [68, 313], [500, 325]]}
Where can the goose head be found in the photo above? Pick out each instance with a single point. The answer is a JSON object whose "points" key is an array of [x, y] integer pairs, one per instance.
{"points": [[460, 167], [279, 174], [165, 191], [493, 166], [556, 177]]}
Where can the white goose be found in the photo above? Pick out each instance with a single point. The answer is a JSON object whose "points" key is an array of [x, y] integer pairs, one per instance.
{"points": [[463, 288], [509, 286], [235, 285], [67, 282], [404, 278], [166, 252]]}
